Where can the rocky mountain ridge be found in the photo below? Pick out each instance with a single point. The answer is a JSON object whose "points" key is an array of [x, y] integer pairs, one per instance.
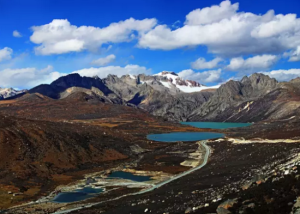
{"points": [[156, 94], [254, 98]]}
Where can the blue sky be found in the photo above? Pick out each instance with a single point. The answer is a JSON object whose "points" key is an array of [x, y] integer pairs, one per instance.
{"points": [[207, 41]]}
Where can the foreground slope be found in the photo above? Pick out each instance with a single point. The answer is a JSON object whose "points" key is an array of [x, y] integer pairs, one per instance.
{"points": [[45, 142]]}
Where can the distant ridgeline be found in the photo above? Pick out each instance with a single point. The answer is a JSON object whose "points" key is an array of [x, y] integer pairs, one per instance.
{"points": [[252, 99]]}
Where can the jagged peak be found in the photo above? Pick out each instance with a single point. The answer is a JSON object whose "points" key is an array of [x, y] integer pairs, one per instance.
{"points": [[111, 75], [258, 76], [168, 72], [245, 79]]}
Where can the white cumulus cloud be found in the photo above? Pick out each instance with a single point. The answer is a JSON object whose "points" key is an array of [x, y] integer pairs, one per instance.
{"points": [[27, 77], [212, 76], [59, 36], [212, 14], [104, 60], [16, 34], [253, 63], [5, 53], [293, 55], [103, 72], [276, 26], [201, 63], [284, 75], [228, 32]]}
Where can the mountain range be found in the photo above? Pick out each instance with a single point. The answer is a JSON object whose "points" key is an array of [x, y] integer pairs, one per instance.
{"points": [[251, 99]]}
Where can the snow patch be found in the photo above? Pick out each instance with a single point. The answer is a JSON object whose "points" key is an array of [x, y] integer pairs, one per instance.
{"points": [[166, 84], [132, 76], [188, 89], [169, 76]]}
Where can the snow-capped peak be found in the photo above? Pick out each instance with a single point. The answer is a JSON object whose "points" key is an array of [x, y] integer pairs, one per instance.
{"points": [[9, 92], [170, 75], [187, 86]]}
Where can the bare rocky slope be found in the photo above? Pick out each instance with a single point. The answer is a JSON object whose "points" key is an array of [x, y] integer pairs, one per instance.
{"points": [[252, 99], [158, 95]]}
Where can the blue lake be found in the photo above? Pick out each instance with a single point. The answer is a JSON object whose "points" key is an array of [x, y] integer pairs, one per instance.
{"points": [[77, 195], [216, 125], [184, 136], [195, 136], [129, 176]]}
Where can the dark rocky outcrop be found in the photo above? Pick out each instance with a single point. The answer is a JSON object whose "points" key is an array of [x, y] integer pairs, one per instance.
{"points": [[60, 85]]}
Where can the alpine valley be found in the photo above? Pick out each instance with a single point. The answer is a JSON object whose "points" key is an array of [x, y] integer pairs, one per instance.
{"points": [[86, 145], [149, 107]]}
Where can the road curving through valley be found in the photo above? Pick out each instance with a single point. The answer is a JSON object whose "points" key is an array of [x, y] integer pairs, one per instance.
{"points": [[173, 178]]}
